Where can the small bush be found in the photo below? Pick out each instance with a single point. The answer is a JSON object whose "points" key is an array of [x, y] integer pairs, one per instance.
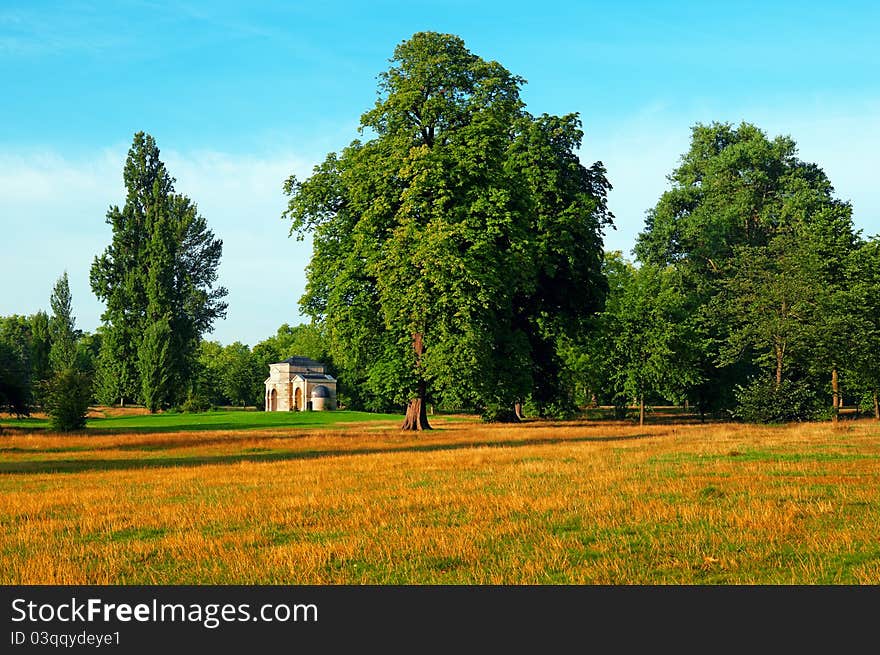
{"points": [[68, 394], [195, 403], [761, 401], [495, 413], [559, 409]]}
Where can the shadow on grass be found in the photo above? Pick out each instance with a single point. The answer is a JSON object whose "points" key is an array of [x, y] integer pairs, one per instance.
{"points": [[98, 430], [83, 465]]}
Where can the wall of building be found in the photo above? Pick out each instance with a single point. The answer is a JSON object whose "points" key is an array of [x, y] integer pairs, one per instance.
{"points": [[285, 389]]}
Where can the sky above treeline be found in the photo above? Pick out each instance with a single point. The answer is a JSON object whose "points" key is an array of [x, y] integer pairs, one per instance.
{"points": [[241, 95]]}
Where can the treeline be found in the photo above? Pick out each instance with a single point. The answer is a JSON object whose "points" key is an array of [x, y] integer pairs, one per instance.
{"points": [[751, 297], [235, 374], [458, 261], [231, 375], [754, 295], [157, 280], [45, 361]]}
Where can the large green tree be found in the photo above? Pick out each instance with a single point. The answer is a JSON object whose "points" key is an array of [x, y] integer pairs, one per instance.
{"points": [[434, 237], [863, 329], [758, 237], [160, 267]]}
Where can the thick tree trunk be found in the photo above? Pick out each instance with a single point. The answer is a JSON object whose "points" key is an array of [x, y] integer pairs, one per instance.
{"points": [[876, 406], [641, 410], [835, 396], [416, 412], [517, 409]]}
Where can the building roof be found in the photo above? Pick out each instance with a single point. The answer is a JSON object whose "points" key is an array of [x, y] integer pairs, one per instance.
{"points": [[315, 376]]}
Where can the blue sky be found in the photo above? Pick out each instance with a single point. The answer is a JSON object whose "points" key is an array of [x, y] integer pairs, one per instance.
{"points": [[241, 95]]}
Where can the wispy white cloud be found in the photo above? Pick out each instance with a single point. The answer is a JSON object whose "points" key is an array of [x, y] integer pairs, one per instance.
{"points": [[78, 28]]}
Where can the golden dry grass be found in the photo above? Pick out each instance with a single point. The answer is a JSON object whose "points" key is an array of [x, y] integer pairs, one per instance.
{"points": [[468, 503]]}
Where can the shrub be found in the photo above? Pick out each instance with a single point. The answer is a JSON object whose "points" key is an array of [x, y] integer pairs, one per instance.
{"points": [[68, 394], [495, 413], [760, 401], [195, 403]]}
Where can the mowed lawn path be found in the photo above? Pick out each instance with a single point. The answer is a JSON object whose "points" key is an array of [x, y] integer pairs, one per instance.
{"points": [[349, 499]]}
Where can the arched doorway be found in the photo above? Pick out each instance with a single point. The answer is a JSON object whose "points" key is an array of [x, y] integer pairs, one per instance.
{"points": [[273, 401], [297, 399]]}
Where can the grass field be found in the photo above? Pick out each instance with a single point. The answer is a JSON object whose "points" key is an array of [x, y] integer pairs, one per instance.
{"points": [[138, 420], [348, 499]]}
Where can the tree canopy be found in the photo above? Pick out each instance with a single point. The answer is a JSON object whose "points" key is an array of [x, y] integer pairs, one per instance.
{"points": [[763, 244], [448, 242], [157, 278]]}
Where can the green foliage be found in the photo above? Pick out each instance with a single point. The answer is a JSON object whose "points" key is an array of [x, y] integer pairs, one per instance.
{"points": [[114, 381], [14, 381], [195, 403], [762, 247], [67, 400], [62, 354], [642, 344], [88, 349], [162, 262], [304, 340], [761, 400], [154, 363], [453, 247], [495, 413], [767, 302], [41, 343], [239, 376], [16, 388], [861, 302]]}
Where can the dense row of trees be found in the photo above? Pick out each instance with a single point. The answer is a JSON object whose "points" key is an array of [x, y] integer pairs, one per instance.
{"points": [[458, 261], [235, 374], [46, 361], [39, 371], [752, 294]]}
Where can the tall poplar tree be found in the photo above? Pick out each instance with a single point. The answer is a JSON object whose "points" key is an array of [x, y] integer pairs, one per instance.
{"points": [[158, 273]]}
